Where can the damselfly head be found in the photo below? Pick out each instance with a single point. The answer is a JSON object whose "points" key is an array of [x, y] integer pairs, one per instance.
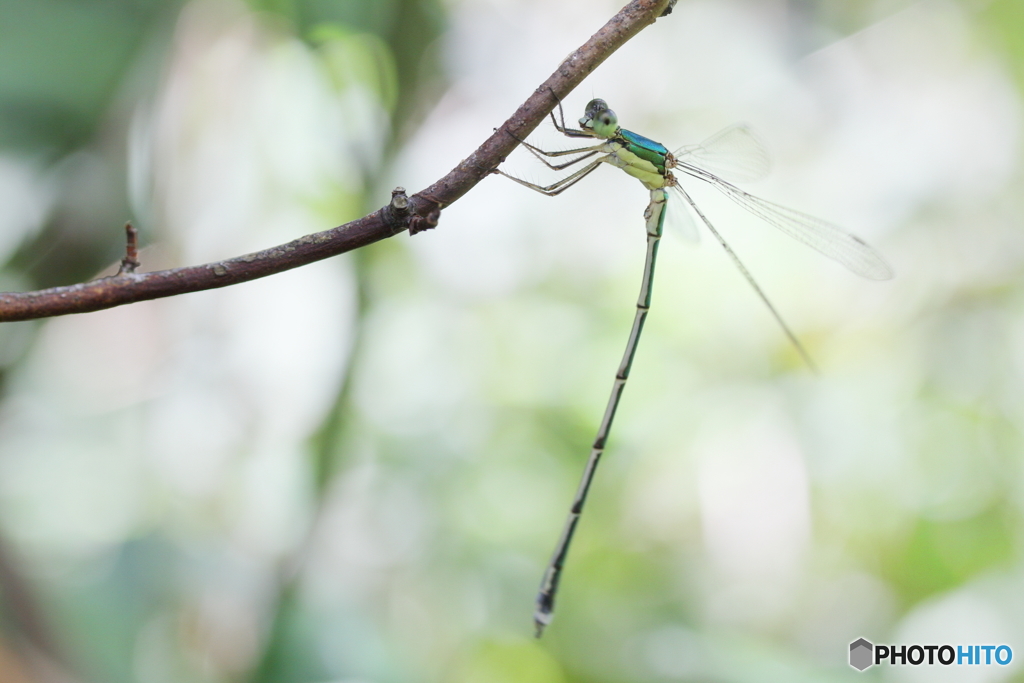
{"points": [[593, 107], [600, 119]]}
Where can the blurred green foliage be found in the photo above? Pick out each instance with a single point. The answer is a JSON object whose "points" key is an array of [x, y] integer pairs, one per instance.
{"points": [[492, 459], [71, 73], [937, 556], [62, 63], [67, 69], [1004, 19]]}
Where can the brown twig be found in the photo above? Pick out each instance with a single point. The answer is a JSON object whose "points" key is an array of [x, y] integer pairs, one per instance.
{"points": [[131, 250], [417, 213]]}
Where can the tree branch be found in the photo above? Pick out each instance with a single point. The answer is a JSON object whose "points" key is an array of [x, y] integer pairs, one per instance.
{"points": [[416, 213]]}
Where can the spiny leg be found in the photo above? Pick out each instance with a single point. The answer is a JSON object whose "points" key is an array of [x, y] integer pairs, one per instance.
{"points": [[563, 129], [655, 216], [750, 278], [541, 153], [586, 153], [561, 115], [559, 153], [560, 167], [559, 186]]}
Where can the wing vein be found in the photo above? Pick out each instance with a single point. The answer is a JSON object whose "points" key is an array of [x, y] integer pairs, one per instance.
{"points": [[824, 237]]}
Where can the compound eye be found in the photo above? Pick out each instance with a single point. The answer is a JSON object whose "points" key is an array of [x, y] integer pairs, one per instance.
{"points": [[608, 118], [594, 107]]}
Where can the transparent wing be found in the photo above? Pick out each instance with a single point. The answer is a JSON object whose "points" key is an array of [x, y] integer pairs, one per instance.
{"points": [[735, 154], [829, 239], [679, 220]]}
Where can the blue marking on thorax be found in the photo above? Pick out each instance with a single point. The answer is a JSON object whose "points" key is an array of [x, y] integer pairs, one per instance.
{"points": [[640, 141]]}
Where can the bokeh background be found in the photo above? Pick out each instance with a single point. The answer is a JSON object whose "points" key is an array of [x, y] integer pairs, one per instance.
{"points": [[355, 471]]}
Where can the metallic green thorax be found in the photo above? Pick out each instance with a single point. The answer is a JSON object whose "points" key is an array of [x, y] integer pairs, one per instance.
{"points": [[645, 148], [640, 157]]}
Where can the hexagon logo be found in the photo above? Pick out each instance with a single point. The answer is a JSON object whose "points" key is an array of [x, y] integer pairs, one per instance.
{"points": [[860, 654]]}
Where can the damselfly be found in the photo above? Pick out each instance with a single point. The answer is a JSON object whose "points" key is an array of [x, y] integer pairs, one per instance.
{"points": [[733, 154]]}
